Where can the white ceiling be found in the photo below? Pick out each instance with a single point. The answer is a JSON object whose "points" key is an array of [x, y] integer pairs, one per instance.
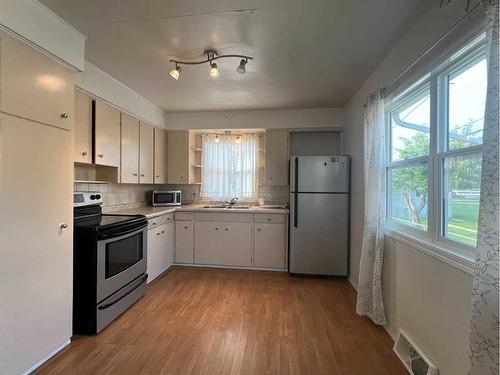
{"points": [[308, 53]]}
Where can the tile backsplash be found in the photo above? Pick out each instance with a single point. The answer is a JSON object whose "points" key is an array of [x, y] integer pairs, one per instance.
{"points": [[123, 196]]}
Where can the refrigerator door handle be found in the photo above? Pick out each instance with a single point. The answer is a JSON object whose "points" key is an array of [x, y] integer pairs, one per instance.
{"points": [[296, 195]]}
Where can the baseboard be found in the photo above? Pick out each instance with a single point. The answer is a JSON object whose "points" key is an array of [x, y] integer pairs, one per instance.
{"points": [[394, 335], [43, 360], [230, 267]]}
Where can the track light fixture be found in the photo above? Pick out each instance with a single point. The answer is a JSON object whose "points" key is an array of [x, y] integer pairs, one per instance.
{"points": [[176, 72], [211, 55]]}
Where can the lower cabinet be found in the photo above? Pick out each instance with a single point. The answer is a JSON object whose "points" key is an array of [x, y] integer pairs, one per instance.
{"points": [[160, 249], [237, 244], [270, 245], [184, 242], [208, 243]]}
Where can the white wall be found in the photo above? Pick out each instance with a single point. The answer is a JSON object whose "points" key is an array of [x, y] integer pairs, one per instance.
{"points": [[99, 83], [277, 119], [428, 297], [45, 30]]}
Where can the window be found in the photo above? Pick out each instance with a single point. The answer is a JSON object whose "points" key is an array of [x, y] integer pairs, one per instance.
{"points": [[434, 152], [230, 166]]}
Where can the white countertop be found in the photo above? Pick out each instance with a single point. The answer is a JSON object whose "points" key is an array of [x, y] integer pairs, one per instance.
{"points": [[151, 212]]}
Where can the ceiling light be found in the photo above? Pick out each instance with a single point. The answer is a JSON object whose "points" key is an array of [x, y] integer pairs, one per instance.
{"points": [[238, 140], [241, 68], [216, 139], [176, 72], [214, 72], [210, 56]]}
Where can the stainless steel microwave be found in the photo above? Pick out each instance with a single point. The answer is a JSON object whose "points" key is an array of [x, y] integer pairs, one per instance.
{"points": [[166, 198]]}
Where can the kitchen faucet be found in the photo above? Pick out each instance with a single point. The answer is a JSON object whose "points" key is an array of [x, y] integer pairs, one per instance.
{"points": [[231, 202]]}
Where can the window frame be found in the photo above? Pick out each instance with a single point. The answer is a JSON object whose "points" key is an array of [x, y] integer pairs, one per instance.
{"points": [[437, 82]]}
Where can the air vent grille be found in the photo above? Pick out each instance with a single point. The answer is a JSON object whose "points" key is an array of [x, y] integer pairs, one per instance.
{"points": [[412, 356]]}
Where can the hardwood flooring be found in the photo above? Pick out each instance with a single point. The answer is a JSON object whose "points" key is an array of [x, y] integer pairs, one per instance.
{"points": [[220, 321]]}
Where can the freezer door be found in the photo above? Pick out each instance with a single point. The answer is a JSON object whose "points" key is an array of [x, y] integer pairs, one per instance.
{"points": [[319, 234], [319, 174]]}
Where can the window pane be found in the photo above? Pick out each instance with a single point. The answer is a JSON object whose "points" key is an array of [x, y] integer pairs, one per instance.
{"points": [[467, 100], [410, 128], [462, 177], [408, 195]]}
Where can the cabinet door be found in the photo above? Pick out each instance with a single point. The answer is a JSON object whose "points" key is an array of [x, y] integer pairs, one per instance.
{"points": [[146, 154], [276, 157], [184, 242], [160, 156], [107, 135], [177, 157], [237, 244], [170, 243], [83, 128], [269, 245], [153, 268], [208, 243], [129, 150], [37, 253], [34, 86]]}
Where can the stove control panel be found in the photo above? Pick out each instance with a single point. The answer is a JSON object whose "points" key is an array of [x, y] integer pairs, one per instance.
{"points": [[86, 198]]}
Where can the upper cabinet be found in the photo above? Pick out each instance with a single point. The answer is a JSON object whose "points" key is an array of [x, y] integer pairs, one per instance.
{"points": [[107, 135], [129, 150], [277, 157], [177, 157], [33, 86], [160, 156], [83, 128], [146, 149]]}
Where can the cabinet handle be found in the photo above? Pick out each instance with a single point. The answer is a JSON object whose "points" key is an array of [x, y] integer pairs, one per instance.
{"points": [[134, 174], [84, 153], [182, 177], [63, 226], [64, 115], [168, 219], [163, 231], [186, 227], [158, 233], [268, 219], [226, 229], [258, 230], [154, 223], [100, 155], [216, 228], [142, 175], [157, 176]]}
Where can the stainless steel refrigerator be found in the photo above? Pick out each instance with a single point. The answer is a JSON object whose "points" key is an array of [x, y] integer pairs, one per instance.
{"points": [[319, 215]]}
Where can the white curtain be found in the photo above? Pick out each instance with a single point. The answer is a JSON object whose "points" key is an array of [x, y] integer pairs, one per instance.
{"points": [[230, 167], [369, 302], [484, 322]]}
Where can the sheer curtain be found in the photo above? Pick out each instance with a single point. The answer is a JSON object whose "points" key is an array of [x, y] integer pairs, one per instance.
{"points": [[484, 338], [230, 167], [369, 300]]}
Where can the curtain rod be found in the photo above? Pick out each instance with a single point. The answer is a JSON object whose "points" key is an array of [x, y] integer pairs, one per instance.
{"points": [[428, 50]]}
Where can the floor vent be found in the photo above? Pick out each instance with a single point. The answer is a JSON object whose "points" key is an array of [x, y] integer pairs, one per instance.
{"points": [[414, 359]]}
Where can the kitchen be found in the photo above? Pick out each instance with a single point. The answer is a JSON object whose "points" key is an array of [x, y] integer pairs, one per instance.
{"points": [[188, 189]]}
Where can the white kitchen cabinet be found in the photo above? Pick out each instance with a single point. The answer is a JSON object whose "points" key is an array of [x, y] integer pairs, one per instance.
{"points": [[277, 157], [184, 242], [160, 249], [129, 149], [237, 244], [107, 135], [160, 156], [270, 245], [208, 242], [34, 86], [177, 157], [146, 153], [83, 128]]}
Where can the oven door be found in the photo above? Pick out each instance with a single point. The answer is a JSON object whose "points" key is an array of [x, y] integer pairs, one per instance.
{"points": [[120, 259]]}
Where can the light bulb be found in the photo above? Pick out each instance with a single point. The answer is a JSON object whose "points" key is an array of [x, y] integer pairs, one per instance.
{"points": [[214, 72], [241, 68], [176, 72], [238, 140], [216, 139]]}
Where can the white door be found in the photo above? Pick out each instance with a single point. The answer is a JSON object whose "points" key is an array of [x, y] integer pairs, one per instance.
{"points": [[146, 153], [107, 135], [237, 244], [83, 128], [184, 242], [36, 271], [129, 150], [269, 245], [208, 242]]}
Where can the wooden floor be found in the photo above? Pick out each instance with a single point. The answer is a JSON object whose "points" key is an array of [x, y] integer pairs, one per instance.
{"points": [[217, 321]]}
